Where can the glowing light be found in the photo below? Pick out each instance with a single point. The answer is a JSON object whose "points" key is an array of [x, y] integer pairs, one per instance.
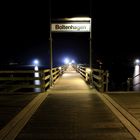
{"points": [[36, 68], [136, 79], [36, 62], [137, 62], [36, 75], [73, 61], [37, 82], [66, 61]]}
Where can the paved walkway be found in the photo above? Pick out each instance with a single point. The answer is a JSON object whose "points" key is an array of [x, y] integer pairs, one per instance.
{"points": [[73, 111]]}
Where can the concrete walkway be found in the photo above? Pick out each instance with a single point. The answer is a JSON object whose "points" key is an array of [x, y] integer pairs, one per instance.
{"points": [[73, 111]]}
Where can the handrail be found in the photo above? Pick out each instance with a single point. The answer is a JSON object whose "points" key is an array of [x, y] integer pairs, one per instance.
{"points": [[136, 76], [96, 77], [130, 82], [17, 80]]}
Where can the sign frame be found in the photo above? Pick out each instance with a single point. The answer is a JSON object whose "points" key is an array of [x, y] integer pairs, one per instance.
{"points": [[71, 21]]}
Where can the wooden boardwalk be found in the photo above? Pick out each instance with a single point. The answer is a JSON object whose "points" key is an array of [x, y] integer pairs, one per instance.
{"points": [[70, 110], [129, 101]]}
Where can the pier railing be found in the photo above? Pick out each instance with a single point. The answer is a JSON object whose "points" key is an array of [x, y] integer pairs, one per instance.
{"points": [[39, 80], [95, 77], [28, 80], [133, 83]]}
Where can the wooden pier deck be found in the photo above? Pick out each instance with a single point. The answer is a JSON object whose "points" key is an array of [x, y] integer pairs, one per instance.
{"points": [[70, 110]]}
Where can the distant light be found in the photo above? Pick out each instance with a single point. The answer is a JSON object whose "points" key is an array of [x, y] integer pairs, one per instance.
{"points": [[136, 79], [36, 62], [137, 61], [66, 61], [73, 61], [36, 68]]}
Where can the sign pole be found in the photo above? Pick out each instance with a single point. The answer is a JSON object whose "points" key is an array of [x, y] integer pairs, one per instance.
{"points": [[51, 54], [90, 46], [90, 53], [51, 61]]}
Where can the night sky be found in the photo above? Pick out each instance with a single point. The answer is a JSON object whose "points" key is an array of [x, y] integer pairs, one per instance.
{"points": [[25, 32]]}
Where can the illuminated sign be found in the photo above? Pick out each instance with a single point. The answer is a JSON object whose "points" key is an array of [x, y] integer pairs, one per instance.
{"points": [[71, 27]]}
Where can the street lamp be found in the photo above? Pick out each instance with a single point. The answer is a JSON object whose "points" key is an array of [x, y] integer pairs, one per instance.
{"points": [[137, 62], [66, 61]]}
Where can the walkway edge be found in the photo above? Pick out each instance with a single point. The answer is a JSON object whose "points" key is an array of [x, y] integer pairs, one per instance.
{"points": [[12, 129], [132, 119], [132, 129]]}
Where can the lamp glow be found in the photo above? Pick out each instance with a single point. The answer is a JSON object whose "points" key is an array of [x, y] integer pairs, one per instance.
{"points": [[137, 61], [36, 62], [66, 60], [73, 61], [136, 76]]}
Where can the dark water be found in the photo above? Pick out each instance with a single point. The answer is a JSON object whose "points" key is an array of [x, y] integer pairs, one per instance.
{"points": [[118, 79]]}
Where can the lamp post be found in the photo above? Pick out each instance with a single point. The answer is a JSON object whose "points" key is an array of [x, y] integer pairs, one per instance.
{"points": [[91, 82], [90, 62], [51, 60], [51, 53]]}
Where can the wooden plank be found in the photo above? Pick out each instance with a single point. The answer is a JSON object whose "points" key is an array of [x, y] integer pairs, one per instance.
{"points": [[11, 130], [132, 129]]}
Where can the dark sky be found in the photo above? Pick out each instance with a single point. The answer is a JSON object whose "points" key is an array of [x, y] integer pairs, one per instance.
{"points": [[25, 32]]}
